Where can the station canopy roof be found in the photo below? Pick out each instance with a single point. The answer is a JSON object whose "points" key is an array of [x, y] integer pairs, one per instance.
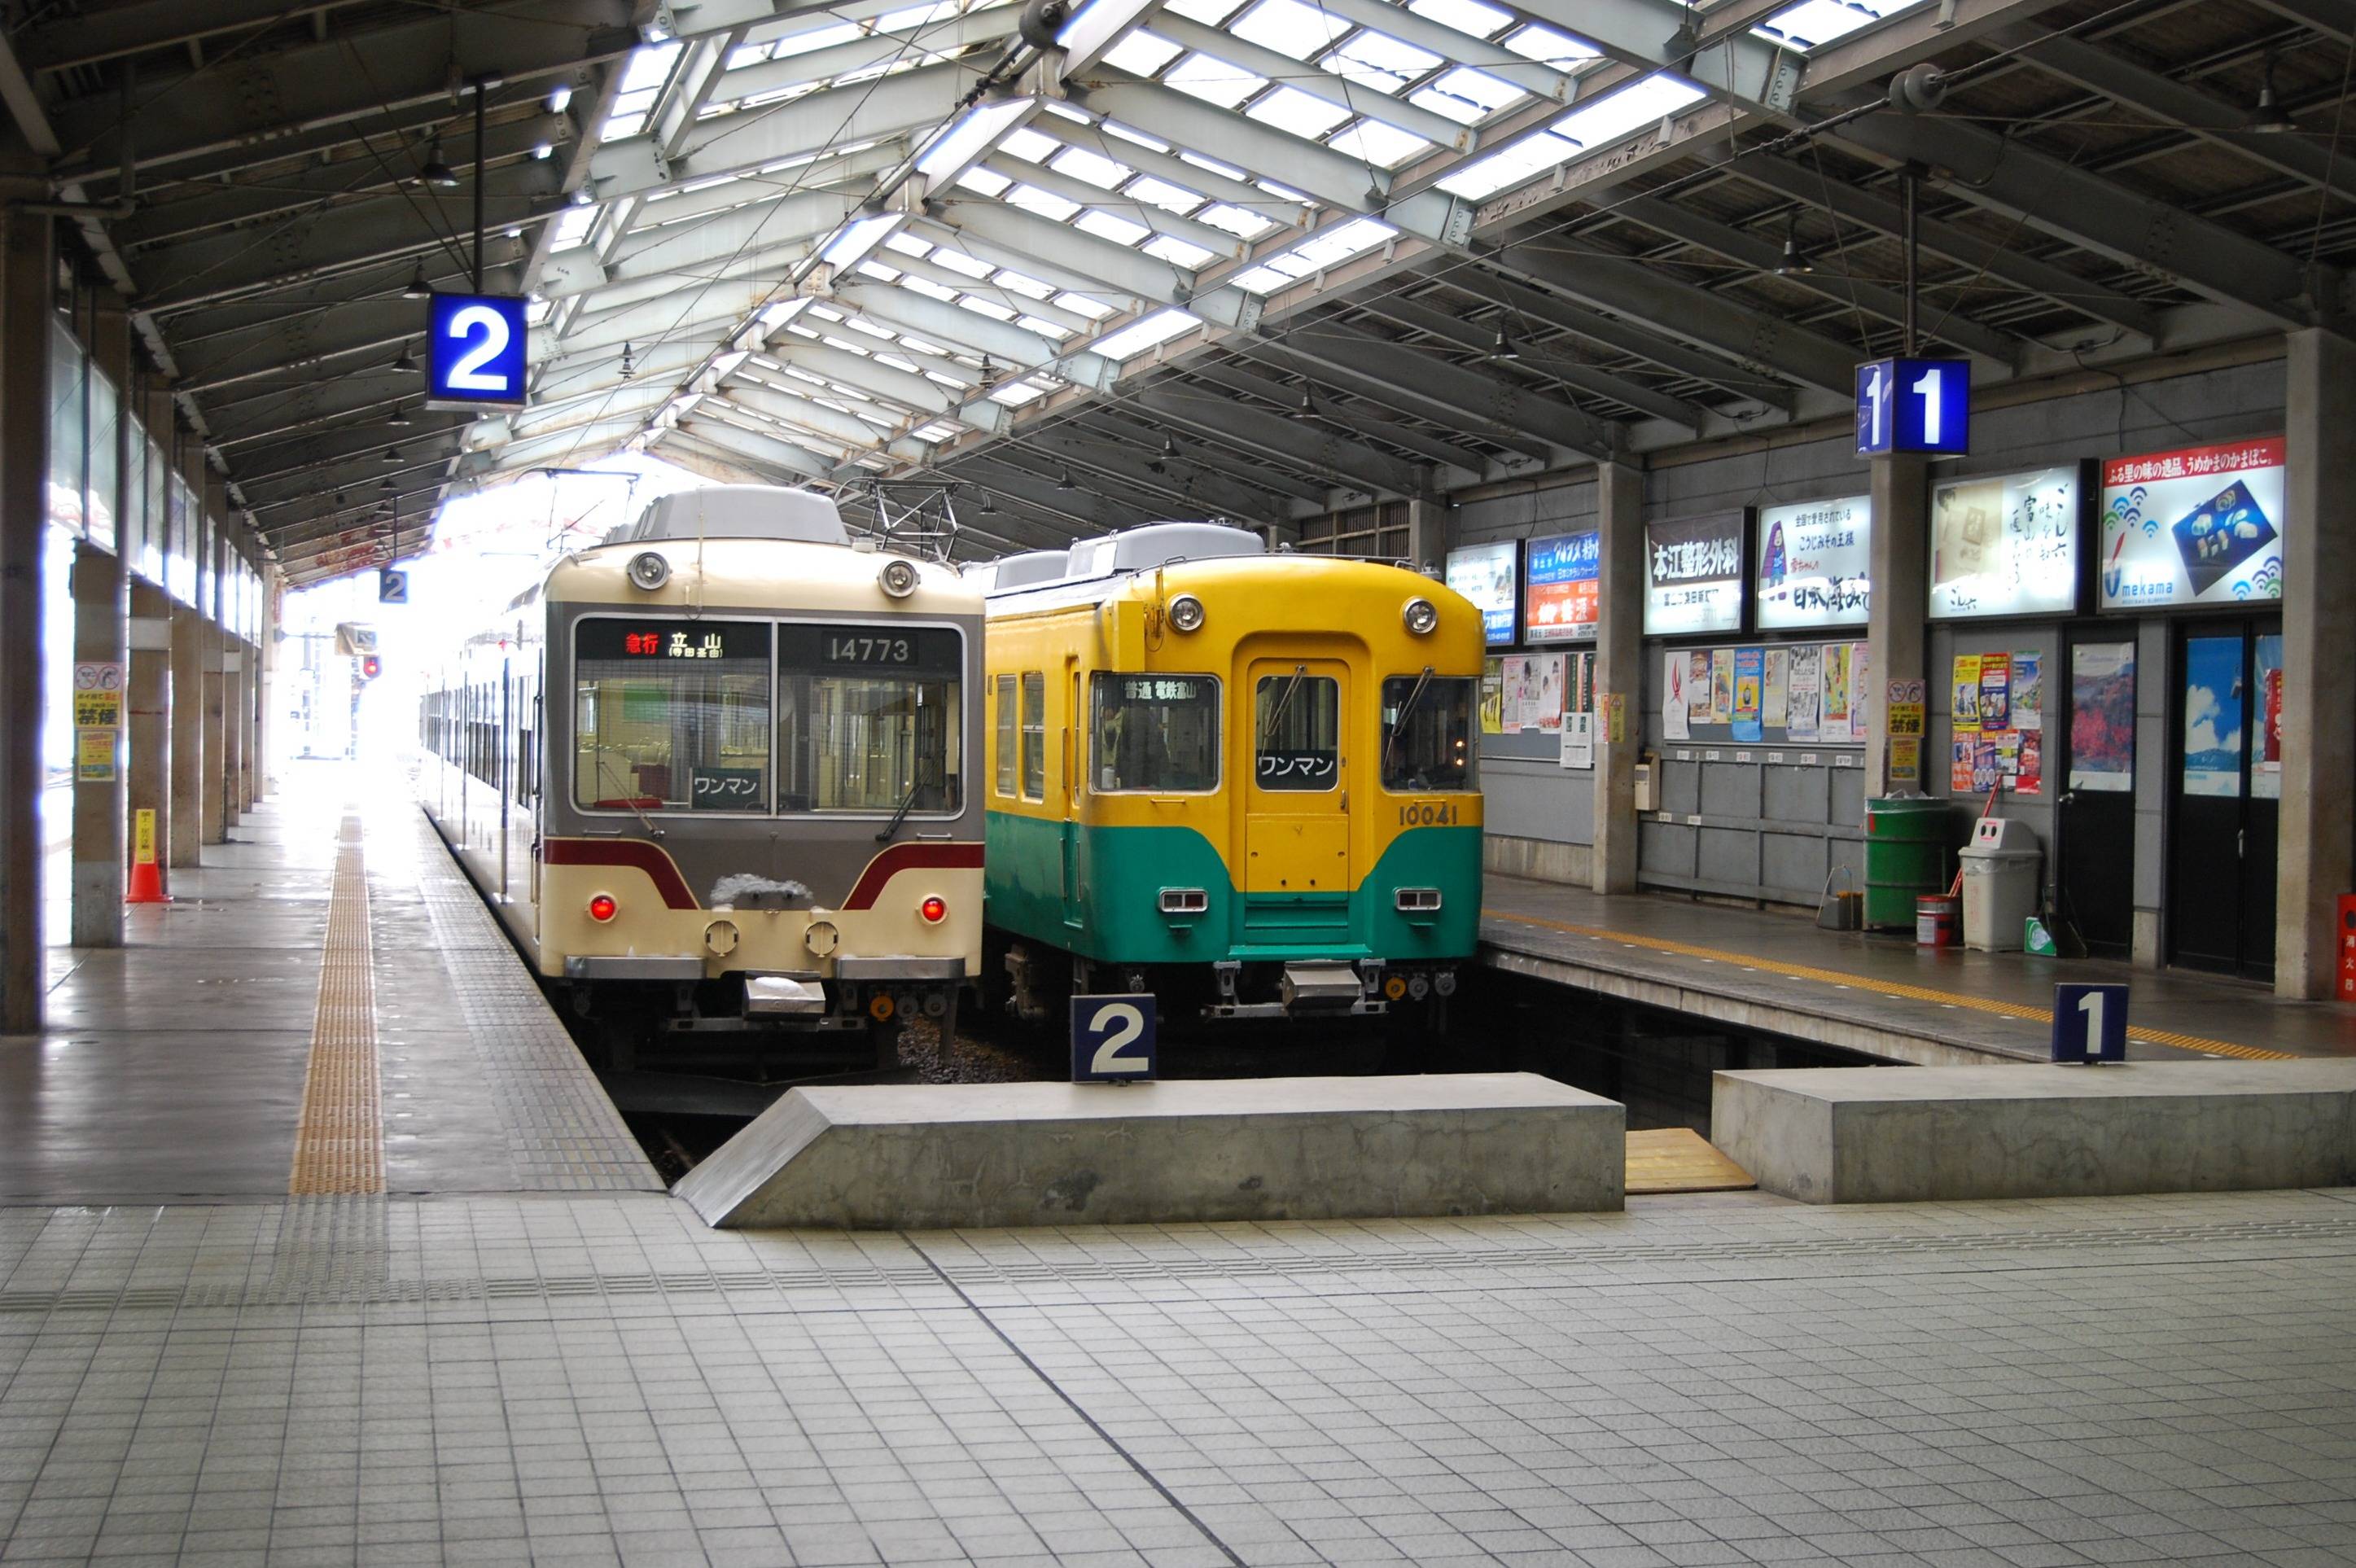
{"points": [[1077, 268]]}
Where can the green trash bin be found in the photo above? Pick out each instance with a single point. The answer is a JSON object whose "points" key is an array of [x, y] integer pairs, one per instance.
{"points": [[1905, 857]]}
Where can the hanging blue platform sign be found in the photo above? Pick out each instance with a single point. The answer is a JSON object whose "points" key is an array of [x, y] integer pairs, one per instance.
{"points": [[1914, 405], [474, 350]]}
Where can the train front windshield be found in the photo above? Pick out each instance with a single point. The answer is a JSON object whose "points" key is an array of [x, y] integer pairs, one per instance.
{"points": [[752, 716]]}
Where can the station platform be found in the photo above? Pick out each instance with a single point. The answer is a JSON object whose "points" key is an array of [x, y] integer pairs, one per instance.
{"points": [[1779, 972]]}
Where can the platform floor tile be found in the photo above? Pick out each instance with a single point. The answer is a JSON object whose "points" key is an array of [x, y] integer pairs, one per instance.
{"points": [[1720, 1379]]}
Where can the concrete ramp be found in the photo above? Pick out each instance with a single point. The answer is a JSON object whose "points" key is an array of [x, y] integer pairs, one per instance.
{"points": [[1911, 1134], [936, 1157]]}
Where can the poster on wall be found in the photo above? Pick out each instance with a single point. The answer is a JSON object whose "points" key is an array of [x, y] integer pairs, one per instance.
{"points": [[2028, 691], [2004, 546], [1559, 584], [1553, 686], [1676, 721], [1964, 689], [2102, 715], [1835, 685], [1493, 696], [1995, 692], [1859, 710], [1692, 574], [1697, 685], [2215, 709], [1721, 685], [1484, 574], [1750, 675], [2265, 759], [1814, 561], [2200, 525], [1807, 697], [1582, 682], [1774, 702]]}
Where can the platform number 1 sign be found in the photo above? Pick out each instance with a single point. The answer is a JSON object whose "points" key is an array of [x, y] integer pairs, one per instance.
{"points": [[475, 351], [2089, 1023], [1914, 405], [1112, 1039]]}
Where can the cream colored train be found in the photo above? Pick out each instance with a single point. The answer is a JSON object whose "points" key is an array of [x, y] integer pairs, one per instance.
{"points": [[716, 775]]}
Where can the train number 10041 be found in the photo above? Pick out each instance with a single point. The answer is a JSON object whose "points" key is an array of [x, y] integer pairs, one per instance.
{"points": [[1427, 814]]}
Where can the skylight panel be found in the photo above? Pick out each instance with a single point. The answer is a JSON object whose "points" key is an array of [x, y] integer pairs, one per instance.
{"points": [[1468, 16], [1106, 226], [1081, 305], [1213, 80], [870, 328], [1385, 146], [916, 345], [571, 225], [649, 67], [1508, 166], [1210, 13], [1290, 109], [1045, 328], [1465, 95], [900, 363], [1029, 287], [940, 430], [1094, 168], [1215, 167], [1142, 53], [1015, 394], [845, 344], [878, 271], [1381, 62], [1260, 280], [1180, 252], [907, 244], [1163, 194], [1145, 333], [988, 182], [1546, 47], [750, 54], [912, 16], [927, 287], [815, 39], [959, 262], [1029, 146], [1045, 203], [1288, 28], [617, 127], [1342, 240], [1813, 22], [1236, 221], [986, 307], [1131, 133], [1282, 192], [1611, 118]]}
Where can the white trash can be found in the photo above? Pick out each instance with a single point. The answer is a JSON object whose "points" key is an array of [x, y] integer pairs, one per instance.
{"points": [[2000, 883]]}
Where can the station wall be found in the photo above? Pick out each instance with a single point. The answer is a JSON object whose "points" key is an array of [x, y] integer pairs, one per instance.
{"points": [[1771, 824]]}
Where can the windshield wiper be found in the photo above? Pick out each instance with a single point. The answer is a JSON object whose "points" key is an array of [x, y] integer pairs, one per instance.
{"points": [[630, 801], [1276, 716], [1398, 724], [900, 815]]}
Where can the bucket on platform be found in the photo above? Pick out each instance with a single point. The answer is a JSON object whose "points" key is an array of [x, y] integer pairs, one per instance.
{"points": [[1936, 922]]}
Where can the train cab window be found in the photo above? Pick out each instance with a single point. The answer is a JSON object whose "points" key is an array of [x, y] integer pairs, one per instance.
{"points": [[1034, 736], [1154, 731], [670, 714], [870, 718], [1003, 688], [1428, 742], [1299, 730]]}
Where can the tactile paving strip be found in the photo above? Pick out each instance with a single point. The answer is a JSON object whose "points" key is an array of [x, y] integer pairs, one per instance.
{"points": [[339, 1139], [1887, 987]]}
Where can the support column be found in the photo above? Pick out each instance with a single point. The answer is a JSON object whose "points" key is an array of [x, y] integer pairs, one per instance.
{"points": [[27, 285], [2315, 849], [102, 635], [149, 700], [1427, 534], [216, 652], [188, 736], [1895, 628], [249, 721], [1619, 674]]}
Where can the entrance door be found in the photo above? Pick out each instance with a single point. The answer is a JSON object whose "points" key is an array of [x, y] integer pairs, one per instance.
{"points": [[1070, 786], [1296, 806], [2224, 785], [2095, 827]]}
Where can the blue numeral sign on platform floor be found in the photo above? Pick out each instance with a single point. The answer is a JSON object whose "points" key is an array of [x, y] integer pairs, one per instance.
{"points": [[1112, 1039], [2089, 1023], [474, 350]]}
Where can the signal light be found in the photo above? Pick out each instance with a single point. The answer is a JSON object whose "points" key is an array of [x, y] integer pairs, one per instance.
{"points": [[935, 910], [371, 667], [603, 909]]}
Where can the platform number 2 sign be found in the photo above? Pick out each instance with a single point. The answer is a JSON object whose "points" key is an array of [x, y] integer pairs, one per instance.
{"points": [[474, 350], [1112, 1039], [2089, 1023]]}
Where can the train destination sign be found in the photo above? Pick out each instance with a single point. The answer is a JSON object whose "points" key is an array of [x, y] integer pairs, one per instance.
{"points": [[633, 639]]}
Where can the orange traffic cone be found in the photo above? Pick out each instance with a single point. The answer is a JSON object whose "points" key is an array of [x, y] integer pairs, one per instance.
{"points": [[146, 877]]}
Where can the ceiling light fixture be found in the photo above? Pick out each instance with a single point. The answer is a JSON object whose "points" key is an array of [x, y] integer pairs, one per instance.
{"points": [[398, 418], [1064, 480], [1504, 347], [404, 361], [433, 171], [391, 457], [417, 287], [1795, 261], [2270, 119]]}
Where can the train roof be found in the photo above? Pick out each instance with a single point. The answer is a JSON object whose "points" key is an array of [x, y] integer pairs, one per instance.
{"points": [[737, 511]]}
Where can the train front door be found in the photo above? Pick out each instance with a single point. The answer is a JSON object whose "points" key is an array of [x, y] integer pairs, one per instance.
{"points": [[1297, 798]]}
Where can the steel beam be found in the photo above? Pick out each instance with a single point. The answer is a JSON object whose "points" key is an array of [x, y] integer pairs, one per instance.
{"points": [[1734, 64], [1364, 424], [1430, 387], [1223, 45], [1266, 434], [1457, 332]]}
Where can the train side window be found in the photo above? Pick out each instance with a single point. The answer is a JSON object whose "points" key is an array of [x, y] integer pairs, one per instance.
{"points": [[1299, 728], [1428, 742], [1034, 736], [1154, 731], [1003, 689]]}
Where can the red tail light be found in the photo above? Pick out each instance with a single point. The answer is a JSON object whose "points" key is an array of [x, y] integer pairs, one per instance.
{"points": [[935, 910], [603, 909]]}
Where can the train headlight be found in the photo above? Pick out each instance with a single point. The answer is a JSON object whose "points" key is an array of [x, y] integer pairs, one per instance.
{"points": [[898, 578], [935, 910], [1186, 613], [602, 907], [1420, 616], [648, 570]]}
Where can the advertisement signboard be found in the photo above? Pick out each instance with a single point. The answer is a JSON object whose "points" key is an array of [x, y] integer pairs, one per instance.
{"points": [[1814, 560], [1560, 602], [2005, 545], [1692, 574], [2197, 526], [1484, 574]]}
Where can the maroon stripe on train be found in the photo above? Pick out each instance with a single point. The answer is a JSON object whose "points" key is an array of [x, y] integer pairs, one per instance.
{"points": [[650, 858], [909, 857]]}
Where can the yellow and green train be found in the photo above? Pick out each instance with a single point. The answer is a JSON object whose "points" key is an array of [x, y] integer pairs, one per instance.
{"points": [[1243, 781]]}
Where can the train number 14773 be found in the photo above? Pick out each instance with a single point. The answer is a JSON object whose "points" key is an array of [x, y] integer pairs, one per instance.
{"points": [[1428, 814]]}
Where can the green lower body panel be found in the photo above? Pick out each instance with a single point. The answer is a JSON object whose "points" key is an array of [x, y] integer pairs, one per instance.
{"points": [[1116, 876]]}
